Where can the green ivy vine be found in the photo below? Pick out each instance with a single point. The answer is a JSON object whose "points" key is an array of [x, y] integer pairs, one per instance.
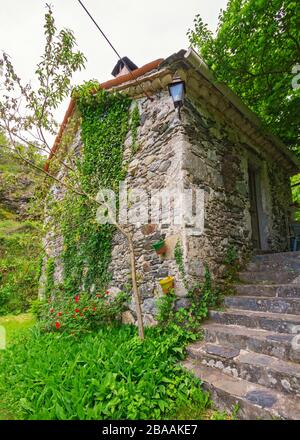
{"points": [[135, 122], [105, 122], [178, 254], [49, 276]]}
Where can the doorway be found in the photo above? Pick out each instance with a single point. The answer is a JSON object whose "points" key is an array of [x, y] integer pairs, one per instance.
{"points": [[253, 174]]}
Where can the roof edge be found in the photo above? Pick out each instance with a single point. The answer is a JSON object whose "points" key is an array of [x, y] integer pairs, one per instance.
{"points": [[197, 62]]}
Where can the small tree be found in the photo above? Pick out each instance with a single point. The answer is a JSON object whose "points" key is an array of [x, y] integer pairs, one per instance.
{"points": [[27, 119]]}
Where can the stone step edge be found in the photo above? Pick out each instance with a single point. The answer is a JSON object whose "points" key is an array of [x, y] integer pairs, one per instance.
{"points": [[241, 289], [277, 316], [260, 266], [277, 285], [228, 391], [240, 330], [272, 271], [258, 298], [289, 301], [275, 322], [276, 254], [272, 363]]}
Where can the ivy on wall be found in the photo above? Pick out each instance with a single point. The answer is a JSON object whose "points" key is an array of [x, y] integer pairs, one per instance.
{"points": [[135, 122], [105, 122], [49, 275]]}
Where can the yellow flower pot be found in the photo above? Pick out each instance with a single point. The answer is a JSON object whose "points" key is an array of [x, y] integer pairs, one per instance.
{"points": [[167, 284]]}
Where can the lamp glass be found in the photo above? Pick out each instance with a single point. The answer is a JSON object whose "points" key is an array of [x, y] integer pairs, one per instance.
{"points": [[177, 93]]}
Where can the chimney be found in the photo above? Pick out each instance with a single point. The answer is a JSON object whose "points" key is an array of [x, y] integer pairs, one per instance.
{"points": [[123, 66]]}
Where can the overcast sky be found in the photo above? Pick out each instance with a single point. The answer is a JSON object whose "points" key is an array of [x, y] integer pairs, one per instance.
{"points": [[143, 30]]}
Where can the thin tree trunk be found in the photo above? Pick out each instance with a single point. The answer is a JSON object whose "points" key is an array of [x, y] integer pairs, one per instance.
{"points": [[136, 291], [128, 236]]}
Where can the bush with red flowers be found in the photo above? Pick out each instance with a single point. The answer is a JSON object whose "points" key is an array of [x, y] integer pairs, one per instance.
{"points": [[82, 312]]}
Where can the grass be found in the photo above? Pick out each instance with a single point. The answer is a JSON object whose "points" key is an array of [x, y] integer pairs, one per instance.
{"points": [[14, 326]]}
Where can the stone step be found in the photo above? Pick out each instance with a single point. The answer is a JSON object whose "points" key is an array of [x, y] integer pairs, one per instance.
{"points": [[274, 322], [270, 277], [289, 264], [270, 290], [258, 368], [276, 257], [254, 401], [264, 304], [282, 346]]}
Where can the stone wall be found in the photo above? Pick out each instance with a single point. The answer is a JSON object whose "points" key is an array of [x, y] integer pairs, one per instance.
{"points": [[216, 158], [157, 165], [200, 150]]}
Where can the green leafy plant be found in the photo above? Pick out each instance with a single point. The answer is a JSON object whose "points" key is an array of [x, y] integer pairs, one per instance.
{"points": [[108, 374], [178, 254], [232, 265], [189, 318], [165, 307]]}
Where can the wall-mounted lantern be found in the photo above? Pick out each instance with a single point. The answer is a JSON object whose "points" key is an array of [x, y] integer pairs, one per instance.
{"points": [[177, 91]]}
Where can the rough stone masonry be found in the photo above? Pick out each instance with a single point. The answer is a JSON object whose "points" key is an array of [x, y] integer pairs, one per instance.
{"points": [[210, 148]]}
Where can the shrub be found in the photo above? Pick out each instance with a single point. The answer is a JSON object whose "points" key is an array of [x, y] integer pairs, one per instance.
{"points": [[81, 312]]}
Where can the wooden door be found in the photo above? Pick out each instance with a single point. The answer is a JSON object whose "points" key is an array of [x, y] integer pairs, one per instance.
{"points": [[254, 208]]}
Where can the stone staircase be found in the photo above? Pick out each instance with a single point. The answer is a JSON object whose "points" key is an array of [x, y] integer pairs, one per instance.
{"points": [[250, 355]]}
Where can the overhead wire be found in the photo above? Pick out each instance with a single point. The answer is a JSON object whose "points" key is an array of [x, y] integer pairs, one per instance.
{"points": [[114, 49]]}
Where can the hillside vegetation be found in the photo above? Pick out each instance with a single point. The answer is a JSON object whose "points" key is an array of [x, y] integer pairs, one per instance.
{"points": [[19, 235]]}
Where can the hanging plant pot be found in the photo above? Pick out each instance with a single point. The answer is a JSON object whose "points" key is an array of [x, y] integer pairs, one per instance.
{"points": [[167, 284], [160, 247]]}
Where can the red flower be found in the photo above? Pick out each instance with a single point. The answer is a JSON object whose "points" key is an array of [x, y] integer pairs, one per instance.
{"points": [[107, 292], [94, 308], [51, 310], [59, 314], [57, 325], [81, 314], [77, 310], [77, 298]]}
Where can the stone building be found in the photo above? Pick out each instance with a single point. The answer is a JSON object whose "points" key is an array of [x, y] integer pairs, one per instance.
{"points": [[217, 146]]}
